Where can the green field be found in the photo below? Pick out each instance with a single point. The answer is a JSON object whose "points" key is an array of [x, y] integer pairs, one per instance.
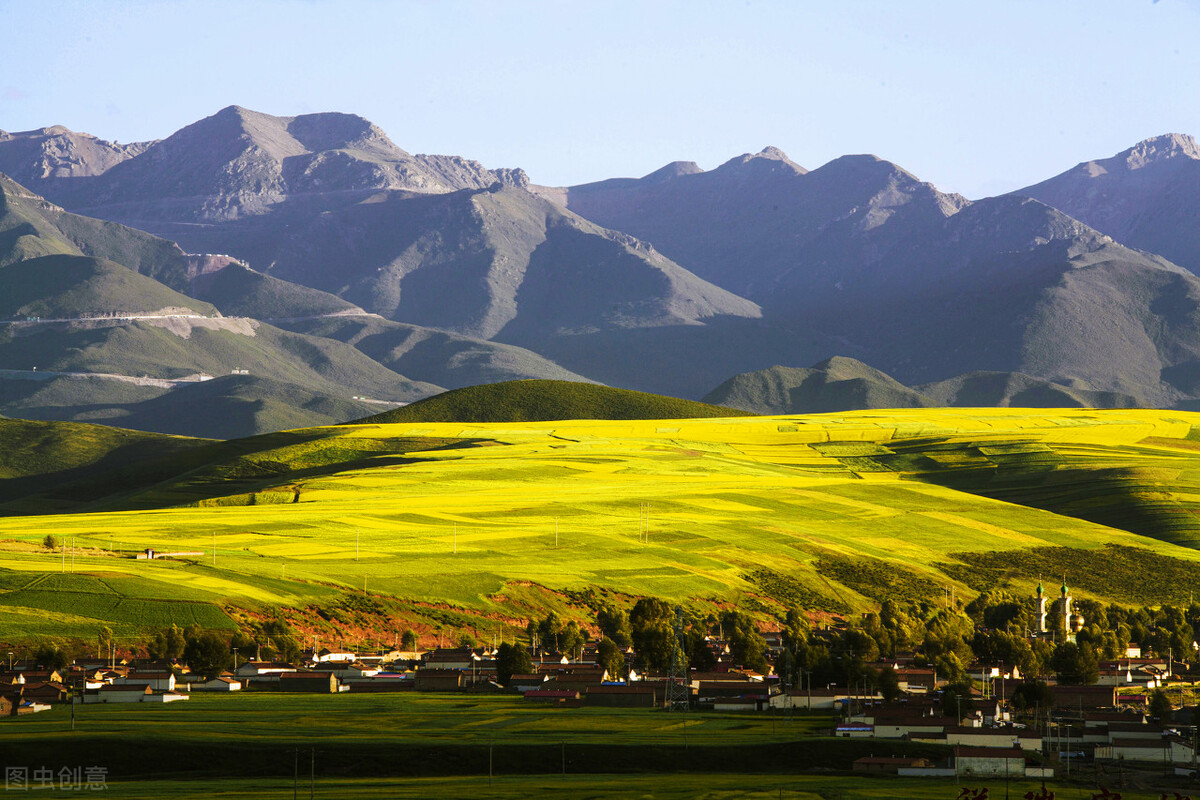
{"points": [[458, 525], [407, 745]]}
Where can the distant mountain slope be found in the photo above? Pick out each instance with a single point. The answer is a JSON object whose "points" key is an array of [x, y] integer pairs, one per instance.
{"points": [[436, 356], [921, 284], [473, 262], [235, 406], [1014, 390], [240, 291], [72, 311], [1147, 196], [760, 221], [69, 287], [327, 201], [40, 158], [845, 384], [836, 384], [240, 162], [538, 400]]}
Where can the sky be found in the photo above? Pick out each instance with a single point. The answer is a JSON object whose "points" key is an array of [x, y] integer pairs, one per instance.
{"points": [[975, 96]]}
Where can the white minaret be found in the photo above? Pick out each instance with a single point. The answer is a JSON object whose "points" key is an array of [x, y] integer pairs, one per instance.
{"points": [[1066, 608], [1041, 608]]}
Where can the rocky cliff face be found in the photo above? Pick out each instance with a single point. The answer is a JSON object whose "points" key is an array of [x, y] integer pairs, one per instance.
{"points": [[1146, 197]]}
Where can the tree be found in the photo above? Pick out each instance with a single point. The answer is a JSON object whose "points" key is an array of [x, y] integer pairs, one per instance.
{"points": [[246, 649], [167, 644], [888, 683], [609, 654], [614, 623], [695, 647], [1032, 694], [51, 656], [104, 641], [281, 639], [207, 654], [465, 639], [1075, 664], [511, 659], [652, 627], [956, 699], [571, 638], [50, 542], [745, 642], [408, 640], [1160, 706]]}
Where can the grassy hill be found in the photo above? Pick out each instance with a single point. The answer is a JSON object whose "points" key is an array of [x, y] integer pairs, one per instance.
{"points": [[66, 287], [537, 400], [835, 384], [481, 525]]}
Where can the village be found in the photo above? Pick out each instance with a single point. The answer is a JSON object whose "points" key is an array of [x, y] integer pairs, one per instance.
{"points": [[1105, 728]]}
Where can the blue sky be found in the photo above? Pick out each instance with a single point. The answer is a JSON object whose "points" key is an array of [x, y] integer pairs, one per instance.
{"points": [[977, 97]]}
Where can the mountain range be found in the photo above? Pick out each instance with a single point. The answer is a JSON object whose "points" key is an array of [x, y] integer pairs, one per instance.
{"points": [[306, 263]]}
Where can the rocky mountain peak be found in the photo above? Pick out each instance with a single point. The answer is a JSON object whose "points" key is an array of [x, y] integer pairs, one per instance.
{"points": [[337, 131], [769, 156], [1160, 148], [673, 170]]}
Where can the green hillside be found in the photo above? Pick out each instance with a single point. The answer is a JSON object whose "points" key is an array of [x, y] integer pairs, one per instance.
{"points": [[235, 406], [481, 526], [174, 349], [33, 449], [67, 287], [536, 400], [429, 354], [240, 291]]}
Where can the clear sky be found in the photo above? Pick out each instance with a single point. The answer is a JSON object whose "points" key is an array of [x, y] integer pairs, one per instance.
{"points": [[977, 97]]}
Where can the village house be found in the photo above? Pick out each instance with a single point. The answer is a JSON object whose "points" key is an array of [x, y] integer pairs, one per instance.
{"points": [[318, 682], [450, 658], [157, 681], [527, 682], [1084, 697], [989, 761], [45, 692], [997, 738], [438, 680], [347, 672], [1166, 749], [889, 765], [13, 705], [221, 683], [553, 696], [814, 699], [123, 693], [262, 671], [616, 695], [742, 703]]}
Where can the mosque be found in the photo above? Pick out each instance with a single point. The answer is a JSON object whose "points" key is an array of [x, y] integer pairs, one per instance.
{"points": [[1059, 617]]}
